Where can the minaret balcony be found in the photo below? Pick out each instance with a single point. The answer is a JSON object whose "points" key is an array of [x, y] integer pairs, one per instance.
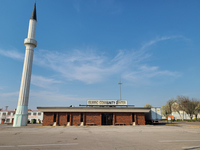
{"points": [[30, 41]]}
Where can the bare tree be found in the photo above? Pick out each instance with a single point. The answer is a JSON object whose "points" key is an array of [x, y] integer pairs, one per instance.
{"points": [[165, 110], [197, 108], [148, 106], [170, 103], [177, 108], [187, 105]]}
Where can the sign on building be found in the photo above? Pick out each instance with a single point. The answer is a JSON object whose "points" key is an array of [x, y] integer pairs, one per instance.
{"points": [[106, 102]]}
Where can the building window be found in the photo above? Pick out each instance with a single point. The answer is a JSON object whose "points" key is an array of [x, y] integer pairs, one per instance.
{"points": [[34, 114], [9, 113], [13, 114], [39, 114], [54, 117], [133, 118], [81, 117], [68, 117], [7, 120], [29, 114], [4, 114]]}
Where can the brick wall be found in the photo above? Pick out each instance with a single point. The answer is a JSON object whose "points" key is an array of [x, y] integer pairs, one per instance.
{"points": [[47, 119], [93, 118], [125, 118], [62, 119], [75, 118], [139, 119]]}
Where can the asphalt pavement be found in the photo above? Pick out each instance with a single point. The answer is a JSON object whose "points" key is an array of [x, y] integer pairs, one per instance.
{"points": [[161, 136]]}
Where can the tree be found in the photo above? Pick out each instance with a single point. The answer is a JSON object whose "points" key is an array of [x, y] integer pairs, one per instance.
{"points": [[148, 106], [165, 110], [197, 109], [177, 108], [187, 105], [170, 103]]}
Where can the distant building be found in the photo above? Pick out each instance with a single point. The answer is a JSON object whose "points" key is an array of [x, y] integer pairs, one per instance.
{"points": [[182, 115], [8, 116]]}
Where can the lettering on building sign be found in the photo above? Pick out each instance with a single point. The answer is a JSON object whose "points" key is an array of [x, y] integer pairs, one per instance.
{"points": [[106, 102]]}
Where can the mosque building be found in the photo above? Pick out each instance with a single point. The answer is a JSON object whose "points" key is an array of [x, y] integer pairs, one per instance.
{"points": [[96, 112]]}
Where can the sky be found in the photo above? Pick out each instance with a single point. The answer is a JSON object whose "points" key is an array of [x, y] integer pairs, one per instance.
{"points": [[85, 46]]}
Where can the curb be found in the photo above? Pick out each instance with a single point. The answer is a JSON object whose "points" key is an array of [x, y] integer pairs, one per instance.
{"points": [[182, 125]]}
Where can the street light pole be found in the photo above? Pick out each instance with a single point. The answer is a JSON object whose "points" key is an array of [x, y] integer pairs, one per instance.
{"points": [[120, 83]]}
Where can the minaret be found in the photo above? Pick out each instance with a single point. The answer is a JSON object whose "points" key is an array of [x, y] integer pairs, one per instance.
{"points": [[21, 115]]}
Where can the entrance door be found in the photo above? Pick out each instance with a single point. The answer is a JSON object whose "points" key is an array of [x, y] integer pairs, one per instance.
{"points": [[54, 117], [107, 118]]}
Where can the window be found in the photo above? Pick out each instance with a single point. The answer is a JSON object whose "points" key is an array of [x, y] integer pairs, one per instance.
{"points": [[133, 118], [81, 117], [34, 114], [39, 114], [54, 117], [68, 117], [13, 113], [7, 120], [9, 113], [29, 114], [4, 114]]}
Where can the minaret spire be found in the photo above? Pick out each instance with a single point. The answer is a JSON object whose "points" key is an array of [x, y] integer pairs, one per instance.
{"points": [[34, 16], [21, 115]]}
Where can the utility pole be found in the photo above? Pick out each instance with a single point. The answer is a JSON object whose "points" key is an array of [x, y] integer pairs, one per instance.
{"points": [[120, 83]]}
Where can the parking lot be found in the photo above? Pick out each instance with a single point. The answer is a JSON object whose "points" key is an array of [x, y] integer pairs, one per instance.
{"points": [[100, 137]]}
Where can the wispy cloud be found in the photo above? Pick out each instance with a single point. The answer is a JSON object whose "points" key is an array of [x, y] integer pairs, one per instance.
{"points": [[90, 67], [12, 54], [53, 96], [9, 94], [41, 98], [76, 4], [158, 39], [42, 81], [143, 74]]}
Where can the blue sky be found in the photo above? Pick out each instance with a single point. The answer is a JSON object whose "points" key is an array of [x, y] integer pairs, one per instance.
{"points": [[84, 46]]}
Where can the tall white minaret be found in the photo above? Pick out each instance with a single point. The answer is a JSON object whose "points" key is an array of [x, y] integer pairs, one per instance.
{"points": [[21, 115]]}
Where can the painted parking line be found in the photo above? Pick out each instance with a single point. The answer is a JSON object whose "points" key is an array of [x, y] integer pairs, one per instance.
{"points": [[173, 141], [40, 145], [193, 147]]}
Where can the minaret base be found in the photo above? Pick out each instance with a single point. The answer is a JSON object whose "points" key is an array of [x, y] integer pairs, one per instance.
{"points": [[21, 116]]}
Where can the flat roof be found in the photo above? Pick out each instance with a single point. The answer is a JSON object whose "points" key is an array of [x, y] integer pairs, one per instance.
{"points": [[94, 109]]}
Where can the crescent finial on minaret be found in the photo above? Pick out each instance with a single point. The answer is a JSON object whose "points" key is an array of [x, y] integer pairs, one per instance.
{"points": [[33, 16]]}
